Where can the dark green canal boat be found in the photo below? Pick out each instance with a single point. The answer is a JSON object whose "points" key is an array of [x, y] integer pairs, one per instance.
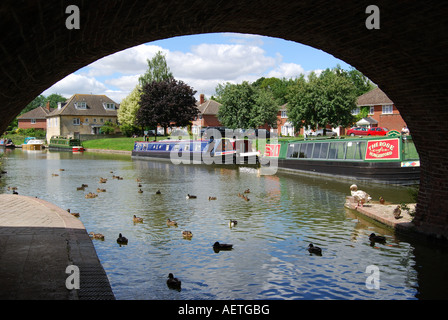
{"points": [[390, 160]]}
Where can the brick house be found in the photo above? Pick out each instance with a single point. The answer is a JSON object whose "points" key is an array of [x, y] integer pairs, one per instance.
{"points": [[382, 110], [35, 119], [208, 115], [81, 114]]}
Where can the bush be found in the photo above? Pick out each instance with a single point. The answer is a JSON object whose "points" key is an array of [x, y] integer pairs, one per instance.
{"points": [[31, 132], [129, 130]]}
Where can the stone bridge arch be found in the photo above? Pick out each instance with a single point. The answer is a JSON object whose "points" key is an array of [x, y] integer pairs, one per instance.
{"points": [[406, 57]]}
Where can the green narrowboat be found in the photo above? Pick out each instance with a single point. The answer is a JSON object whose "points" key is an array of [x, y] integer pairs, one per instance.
{"points": [[389, 160], [64, 144]]}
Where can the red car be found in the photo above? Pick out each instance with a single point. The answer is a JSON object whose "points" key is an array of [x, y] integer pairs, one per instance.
{"points": [[377, 131], [358, 131]]}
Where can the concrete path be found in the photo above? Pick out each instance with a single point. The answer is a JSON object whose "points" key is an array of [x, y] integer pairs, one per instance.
{"points": [[38, 241]]}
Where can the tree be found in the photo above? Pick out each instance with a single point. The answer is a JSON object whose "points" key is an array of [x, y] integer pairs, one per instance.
{"points": [[128, 109], [327, 99], [158, 70], [245, 106], [166, 103]]}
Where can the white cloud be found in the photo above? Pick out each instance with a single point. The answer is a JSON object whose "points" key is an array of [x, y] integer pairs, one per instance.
{"points": [[76, 83], [130, 61], [203, 67]]}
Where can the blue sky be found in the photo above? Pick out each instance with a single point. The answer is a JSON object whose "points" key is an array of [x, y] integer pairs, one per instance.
{"points": [[202, 61]]}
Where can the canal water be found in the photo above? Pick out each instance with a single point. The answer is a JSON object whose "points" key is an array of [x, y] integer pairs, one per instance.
{"points": [[269, 260]]}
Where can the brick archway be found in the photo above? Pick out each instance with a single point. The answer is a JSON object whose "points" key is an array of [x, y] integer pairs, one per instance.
{"points": [[406, 57]]}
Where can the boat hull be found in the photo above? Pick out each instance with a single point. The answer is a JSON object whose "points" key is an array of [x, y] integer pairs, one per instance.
{"points": [[184, 157], [384, 172]]}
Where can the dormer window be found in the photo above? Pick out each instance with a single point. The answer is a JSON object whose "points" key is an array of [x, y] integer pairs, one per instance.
{"points": [[109, 106], [81, 105]]}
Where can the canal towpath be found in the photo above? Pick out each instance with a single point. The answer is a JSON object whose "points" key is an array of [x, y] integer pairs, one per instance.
{"points": [[38, 241]]}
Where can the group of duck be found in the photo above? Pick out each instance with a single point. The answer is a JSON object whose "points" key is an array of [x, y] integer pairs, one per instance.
{"points": [[361, 197]]}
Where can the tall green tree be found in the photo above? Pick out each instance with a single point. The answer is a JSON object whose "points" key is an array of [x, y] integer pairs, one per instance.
{"points": [[166, 103], [327, 99], [158, 70], [245, 106], [127, 112]]}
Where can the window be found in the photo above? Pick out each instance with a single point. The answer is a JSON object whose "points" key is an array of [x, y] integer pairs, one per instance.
{"points": [[337, 150], [94, 120], [388, 109], [101, 120], [33, 121], [80, 105], [109, 106], [372, 110], [76, 121], [86, 120], [283, 115], [356, 150]]}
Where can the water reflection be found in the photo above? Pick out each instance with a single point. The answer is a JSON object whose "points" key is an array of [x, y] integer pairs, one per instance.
{"points": [[269, 259]]}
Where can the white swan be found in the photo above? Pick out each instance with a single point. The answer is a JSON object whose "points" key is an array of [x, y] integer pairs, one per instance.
{"points": [[360, 196]]}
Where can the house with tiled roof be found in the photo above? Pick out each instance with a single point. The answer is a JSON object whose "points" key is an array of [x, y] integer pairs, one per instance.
{"points": [[35, 119], [208, 115], [382, 110], [82, 114]]}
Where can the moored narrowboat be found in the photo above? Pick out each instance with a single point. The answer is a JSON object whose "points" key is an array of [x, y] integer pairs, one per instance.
{"points": [[218, 151], [389, 160], [63, 143]]}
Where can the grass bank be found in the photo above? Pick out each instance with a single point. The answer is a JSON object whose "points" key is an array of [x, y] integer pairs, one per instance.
{"points": [[122, 144]]}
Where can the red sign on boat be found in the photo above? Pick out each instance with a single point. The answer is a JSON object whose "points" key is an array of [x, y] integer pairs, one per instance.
{"points": [[272, 150], [383, 149]]}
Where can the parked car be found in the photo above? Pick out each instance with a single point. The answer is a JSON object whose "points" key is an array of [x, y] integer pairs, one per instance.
{"points": [[357, 131], [320, 132], [378, 131]]}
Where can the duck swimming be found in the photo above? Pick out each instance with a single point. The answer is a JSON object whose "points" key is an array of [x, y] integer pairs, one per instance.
{"points": [[315, 250], [189, 196], [137, 219], [187, 234], [122, 240], [173, 283], [98, 236], [222, 246], [374, 238], [171, 222], [158, 192], [211, 198], [232, 223]]}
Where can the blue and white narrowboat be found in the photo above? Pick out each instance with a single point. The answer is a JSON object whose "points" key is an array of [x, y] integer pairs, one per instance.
{"points": [[218, 151]]}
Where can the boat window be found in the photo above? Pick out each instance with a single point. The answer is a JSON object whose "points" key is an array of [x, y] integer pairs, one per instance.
{"points": [[336, 150], [316, 151], [289, 153], [323, 151], [356, 150], [306, 150], [293, 150]]}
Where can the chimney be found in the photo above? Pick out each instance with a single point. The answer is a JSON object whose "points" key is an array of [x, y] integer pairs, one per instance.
{"points": [[48, 105], [201, 98]]}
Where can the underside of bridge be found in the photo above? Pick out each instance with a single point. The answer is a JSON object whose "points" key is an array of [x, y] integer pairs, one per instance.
{"points": [[406, 57]]}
